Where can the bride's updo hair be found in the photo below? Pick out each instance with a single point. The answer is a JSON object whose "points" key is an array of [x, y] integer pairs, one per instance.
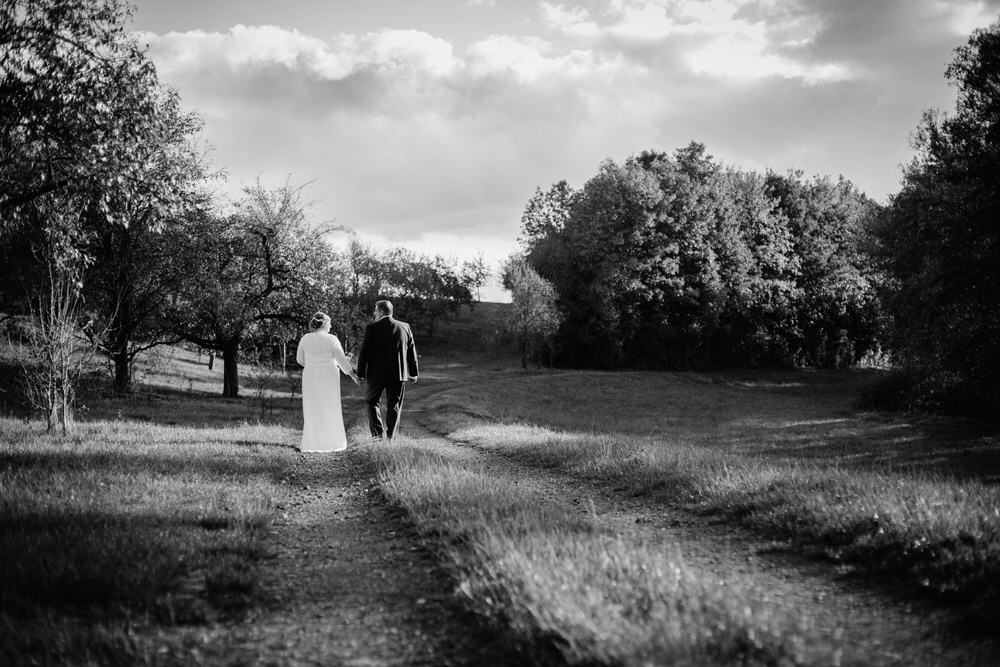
{"points": [[319, 321]]}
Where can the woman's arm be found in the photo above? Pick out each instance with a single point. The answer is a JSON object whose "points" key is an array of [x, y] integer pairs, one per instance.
{"points": [[300, 354], [342, 361]]}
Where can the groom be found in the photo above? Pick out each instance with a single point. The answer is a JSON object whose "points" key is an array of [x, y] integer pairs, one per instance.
{"points": [[387, 359]]}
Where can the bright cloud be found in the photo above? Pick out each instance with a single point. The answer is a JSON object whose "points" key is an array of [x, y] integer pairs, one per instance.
{"points": [[507, 54], [966, 17], [569, 20], [718, 38], [261, 46]]}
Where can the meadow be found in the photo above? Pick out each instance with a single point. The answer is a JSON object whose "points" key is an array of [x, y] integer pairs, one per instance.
{"points": [[156, 512], [152, 514], [910, 506]]}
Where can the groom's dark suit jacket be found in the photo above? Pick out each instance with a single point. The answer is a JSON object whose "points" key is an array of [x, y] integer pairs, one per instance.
{"points": [[387, 352]]}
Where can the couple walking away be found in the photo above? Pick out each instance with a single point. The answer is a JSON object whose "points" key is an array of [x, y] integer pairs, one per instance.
{"points": [[386, 361]]}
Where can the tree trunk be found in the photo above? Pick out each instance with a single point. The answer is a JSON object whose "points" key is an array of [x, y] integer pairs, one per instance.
{"points": [[230, 369], [123, 372]]}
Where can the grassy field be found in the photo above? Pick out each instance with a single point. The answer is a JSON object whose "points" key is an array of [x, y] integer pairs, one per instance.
{"points": [[155, 512], [783, 453], [152, 514]]}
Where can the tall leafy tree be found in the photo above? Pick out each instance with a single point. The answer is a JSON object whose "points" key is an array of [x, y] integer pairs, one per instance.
{"points": [[130, 277], [836, 313], [546, 214], [78, 104], [78, 99], [939, 239], [366, 274], [758, 271], [681, 258], [261, 270], [599, 278], [533, 319]]}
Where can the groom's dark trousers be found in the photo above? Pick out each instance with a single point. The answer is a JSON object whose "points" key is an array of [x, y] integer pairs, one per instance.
{"points": [[394, 391], [387, 360]]}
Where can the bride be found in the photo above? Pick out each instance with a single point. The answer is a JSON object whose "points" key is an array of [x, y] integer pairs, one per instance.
{"points": [[321, 355]]}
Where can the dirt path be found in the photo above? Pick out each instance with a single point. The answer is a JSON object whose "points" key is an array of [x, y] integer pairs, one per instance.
{"points": [[350, 582]]}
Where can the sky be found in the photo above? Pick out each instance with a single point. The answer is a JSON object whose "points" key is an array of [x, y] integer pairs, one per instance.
{"points": [[429, 124]]}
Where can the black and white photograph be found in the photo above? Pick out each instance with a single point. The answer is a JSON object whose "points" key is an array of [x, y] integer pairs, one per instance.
{"points": [[500, 333]]}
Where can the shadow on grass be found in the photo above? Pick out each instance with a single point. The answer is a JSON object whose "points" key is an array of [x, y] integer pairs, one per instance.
{"points": [[962, 449], [176, 407], [97, 546], [115, 565], [75, 584]]}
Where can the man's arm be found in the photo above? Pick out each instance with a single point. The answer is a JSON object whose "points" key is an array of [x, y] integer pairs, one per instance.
{"points": [[363, 353], [411, 355]]}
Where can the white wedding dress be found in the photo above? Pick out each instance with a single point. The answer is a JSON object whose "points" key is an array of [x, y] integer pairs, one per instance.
{"points": [[322, 357]]}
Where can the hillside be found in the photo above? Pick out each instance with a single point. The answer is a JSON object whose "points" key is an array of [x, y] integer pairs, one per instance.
{"points": [[464, 333]]}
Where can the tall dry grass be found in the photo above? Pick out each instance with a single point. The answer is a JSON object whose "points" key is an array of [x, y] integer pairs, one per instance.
{"points": [[788, 461], [560, 585]]}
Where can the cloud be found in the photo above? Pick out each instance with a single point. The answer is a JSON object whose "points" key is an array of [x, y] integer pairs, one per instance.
{"points": [[719, 38], [364, 114]]}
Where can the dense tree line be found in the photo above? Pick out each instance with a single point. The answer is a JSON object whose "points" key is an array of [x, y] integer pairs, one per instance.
{"points": [[677, 261], [425, 288], [938, 245]]}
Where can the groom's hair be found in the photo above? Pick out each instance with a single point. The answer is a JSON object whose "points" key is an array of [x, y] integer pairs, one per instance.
{"points": [[384, 307]]}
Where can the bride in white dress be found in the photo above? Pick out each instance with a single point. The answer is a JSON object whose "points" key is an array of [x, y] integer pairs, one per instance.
{"points": [[322, 356]]}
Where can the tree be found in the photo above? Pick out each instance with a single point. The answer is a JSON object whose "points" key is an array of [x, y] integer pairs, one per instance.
{"points": [[593, 265], [476, 274], [77, 102], [546, 214], [533, 318], [259, 272], [939, 240], [366, 274], [425, 288], [673, 260], [50, 378], [757, 270], [129, 280], [836, 312]]}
